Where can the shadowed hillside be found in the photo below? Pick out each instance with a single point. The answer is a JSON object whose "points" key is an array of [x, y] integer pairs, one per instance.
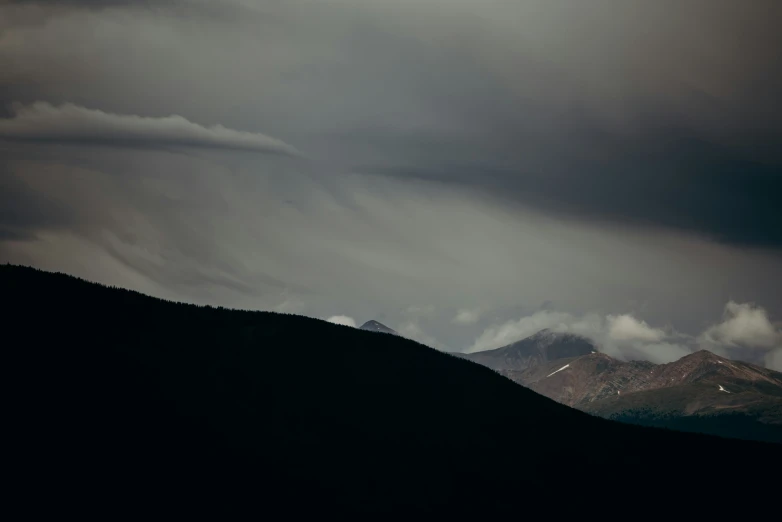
{"points": [[118, 396], [693, 393]]}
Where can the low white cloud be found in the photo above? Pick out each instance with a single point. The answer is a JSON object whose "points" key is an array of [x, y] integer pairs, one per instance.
{"points": [[467, 316], [746, 325], [745, 333], [42, 121], [774, 360], [500, 335], [622, 336], [344, 320], [625, 327]]}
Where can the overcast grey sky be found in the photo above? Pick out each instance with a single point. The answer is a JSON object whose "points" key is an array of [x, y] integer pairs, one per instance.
{"points": [[465, 171]]}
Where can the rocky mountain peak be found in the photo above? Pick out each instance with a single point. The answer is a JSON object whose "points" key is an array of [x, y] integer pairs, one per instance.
{"points": [[376, 326], [535, 350], [703, 355]]}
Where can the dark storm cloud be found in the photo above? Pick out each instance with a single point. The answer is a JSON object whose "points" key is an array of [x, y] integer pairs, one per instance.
{"points": [[494, 124], [71, 123], [678, 125], [669, 178], [655, 113]]}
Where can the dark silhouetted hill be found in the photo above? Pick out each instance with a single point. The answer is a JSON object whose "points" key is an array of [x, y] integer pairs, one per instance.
{"points": [[120, 402]]}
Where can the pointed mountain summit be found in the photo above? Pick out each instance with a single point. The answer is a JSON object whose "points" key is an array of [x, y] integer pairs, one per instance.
{"points": [[534, 351], [375, 326]]}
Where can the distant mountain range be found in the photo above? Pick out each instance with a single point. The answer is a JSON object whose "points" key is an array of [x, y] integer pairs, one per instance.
{"points": [[699, 392], [118, 400]]}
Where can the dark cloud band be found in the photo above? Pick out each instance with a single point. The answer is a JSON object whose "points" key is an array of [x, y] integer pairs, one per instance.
{"points": [[672, 179]]}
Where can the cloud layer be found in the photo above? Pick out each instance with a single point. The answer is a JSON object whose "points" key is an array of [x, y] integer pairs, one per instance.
{"points": [[743, 324], [42, 121], [532, 103], [745, 332], [622, 336]]}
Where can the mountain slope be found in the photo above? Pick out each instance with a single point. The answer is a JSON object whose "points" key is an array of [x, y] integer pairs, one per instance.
{"points": [[533, 351], [156, 401], [698, 385]]}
